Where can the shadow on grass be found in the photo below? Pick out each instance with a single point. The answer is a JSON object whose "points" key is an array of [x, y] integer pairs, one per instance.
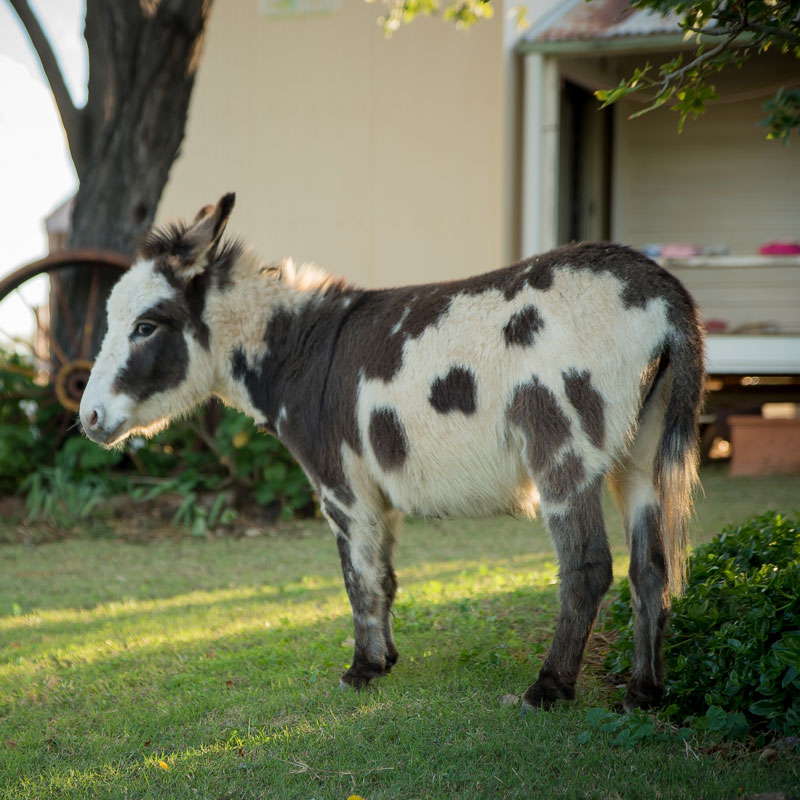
{"points": [[182, 686], [198, 626]]}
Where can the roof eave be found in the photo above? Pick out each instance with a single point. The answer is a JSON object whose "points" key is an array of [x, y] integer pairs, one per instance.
{"points": [[616, 44]]}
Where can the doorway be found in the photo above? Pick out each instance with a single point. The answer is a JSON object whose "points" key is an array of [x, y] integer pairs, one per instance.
{"points": [[585, 154]]}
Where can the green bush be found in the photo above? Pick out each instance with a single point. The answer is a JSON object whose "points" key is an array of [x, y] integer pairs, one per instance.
{"points": [[27, 417], [732, 649], [66, 484]]}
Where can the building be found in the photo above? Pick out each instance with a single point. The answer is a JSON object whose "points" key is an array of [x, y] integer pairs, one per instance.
{"points": [[439, 154]]}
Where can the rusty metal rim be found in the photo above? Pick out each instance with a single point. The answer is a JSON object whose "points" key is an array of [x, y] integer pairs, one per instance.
{"points": [[61, 383], [63, 259]]}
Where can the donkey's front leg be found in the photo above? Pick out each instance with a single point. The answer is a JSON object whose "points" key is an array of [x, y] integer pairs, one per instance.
{"points": [[585, 572], [365, 549]]}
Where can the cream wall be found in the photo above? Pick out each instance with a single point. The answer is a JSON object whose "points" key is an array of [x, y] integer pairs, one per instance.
{"points": [[383, 161]]}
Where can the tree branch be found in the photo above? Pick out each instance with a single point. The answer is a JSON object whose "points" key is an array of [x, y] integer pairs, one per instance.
{"points": [[779, 33], [100, 100], [679, 73], [71, 117]]}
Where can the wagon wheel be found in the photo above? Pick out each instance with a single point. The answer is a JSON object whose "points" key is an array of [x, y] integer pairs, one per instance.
{"points": [[35, 364]]}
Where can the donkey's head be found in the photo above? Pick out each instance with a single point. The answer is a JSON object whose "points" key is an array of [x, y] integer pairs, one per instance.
{"points": [[155, 361]]}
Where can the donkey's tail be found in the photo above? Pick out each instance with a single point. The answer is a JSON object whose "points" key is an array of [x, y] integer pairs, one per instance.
{"points": [[681, 378]]}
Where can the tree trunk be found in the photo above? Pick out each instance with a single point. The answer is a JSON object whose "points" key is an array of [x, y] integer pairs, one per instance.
{"points": [[142, 62]]}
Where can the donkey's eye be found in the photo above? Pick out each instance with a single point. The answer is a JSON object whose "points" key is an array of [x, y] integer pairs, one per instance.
{"points": [[143, 329]]}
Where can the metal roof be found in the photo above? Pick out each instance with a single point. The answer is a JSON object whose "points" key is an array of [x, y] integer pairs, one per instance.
{"points": [[600, 21]]}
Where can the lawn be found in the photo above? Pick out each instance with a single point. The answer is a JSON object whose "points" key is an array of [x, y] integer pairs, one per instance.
{"points": [[194, 668]]}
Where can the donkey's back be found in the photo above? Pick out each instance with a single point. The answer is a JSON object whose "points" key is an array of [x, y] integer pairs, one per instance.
{"points": [[520, 388]]}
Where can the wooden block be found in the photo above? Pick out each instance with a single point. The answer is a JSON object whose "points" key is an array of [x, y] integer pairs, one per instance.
{"points": [[764, 446]]}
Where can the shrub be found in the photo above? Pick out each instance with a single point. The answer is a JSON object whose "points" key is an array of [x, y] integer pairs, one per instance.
{"points": [[732, 649], [27, 415], [67, 484]]}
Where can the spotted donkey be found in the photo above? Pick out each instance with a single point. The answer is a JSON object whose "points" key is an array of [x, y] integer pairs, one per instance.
{"points": [[505, 392]]}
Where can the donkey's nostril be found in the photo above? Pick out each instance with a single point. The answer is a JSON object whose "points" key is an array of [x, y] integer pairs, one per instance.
{"points": [[95, 420]]}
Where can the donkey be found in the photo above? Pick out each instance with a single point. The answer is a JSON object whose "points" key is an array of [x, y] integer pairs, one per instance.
{"points": [[517, 389]]}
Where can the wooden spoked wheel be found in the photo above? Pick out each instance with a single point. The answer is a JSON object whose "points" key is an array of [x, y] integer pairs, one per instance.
{"points": [[54, 373]]}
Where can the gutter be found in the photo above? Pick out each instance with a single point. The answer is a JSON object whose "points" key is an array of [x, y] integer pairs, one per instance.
{"points": [[615, 44]]}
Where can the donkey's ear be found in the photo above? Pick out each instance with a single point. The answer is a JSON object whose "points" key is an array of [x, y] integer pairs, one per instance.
{"points": [[198, 242]]}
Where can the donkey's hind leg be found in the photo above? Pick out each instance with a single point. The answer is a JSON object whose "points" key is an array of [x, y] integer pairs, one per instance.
{"points": [[365, 550], [638, 501], [633, 485], [648, 576], [579, 536]]}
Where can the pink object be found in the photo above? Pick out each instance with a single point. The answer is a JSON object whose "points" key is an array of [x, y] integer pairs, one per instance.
{"points": [[780, 249], [716, 325], [679, 251]]}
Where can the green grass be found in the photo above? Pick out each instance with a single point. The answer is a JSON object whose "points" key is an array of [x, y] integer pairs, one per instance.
{"points": [[209, 669]]}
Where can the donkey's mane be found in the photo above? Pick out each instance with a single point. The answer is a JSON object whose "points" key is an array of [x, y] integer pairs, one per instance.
{"points": [[309, 277], [303, 277], [159, 241]]}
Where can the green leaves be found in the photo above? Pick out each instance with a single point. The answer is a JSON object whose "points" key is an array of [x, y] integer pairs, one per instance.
{"points": [[726, 33], [27, 413], [783, 114], [464, 13], [692, 101], [629, 730], [733, 645], [264, 463]]}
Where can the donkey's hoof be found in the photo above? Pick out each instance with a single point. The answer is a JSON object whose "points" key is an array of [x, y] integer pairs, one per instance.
{"points": [[353, 684], [362, 672], [526, 709], [642, 695], [545, 692], [356, 682], [391, 658]]}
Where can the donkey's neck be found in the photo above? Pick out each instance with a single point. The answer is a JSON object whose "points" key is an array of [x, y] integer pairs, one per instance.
{"points": [[273, 333]]}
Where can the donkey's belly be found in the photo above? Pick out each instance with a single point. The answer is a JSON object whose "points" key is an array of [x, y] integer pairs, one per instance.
{"points": [[461, 483]]}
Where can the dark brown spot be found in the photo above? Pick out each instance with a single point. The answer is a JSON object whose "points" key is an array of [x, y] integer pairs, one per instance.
{"points": [[192, 294], [588, 403], [455, 392], [536, 410], [159, 362], [388, 438], [173, 245], [564, 479], [522, 327]]}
